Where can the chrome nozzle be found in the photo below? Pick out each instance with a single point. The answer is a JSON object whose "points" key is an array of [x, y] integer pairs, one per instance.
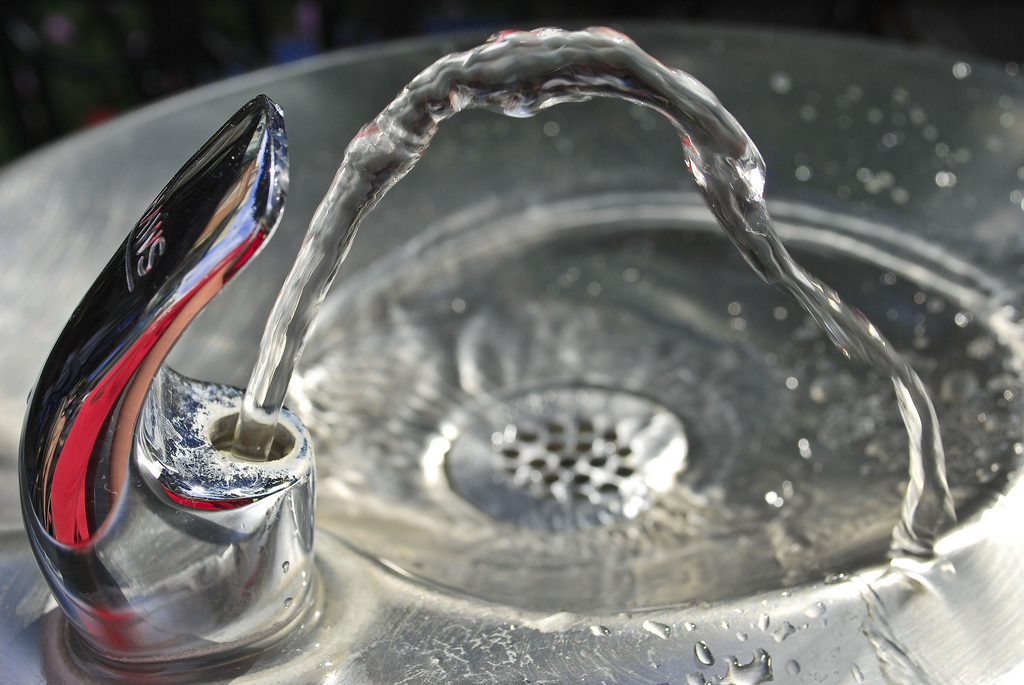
{"points": [[158, 546]]}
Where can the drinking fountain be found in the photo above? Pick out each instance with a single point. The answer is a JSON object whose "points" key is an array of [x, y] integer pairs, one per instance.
{"points": [[561, 430]]}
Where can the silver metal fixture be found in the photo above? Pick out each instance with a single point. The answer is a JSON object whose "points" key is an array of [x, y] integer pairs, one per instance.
{"points": [[160, 548]]}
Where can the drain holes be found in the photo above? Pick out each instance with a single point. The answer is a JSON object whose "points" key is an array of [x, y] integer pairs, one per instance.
{"points": [[567, 457], [566, 452]]}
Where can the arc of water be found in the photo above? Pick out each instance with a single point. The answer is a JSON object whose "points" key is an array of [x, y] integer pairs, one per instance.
{"points": [[518, 74]]}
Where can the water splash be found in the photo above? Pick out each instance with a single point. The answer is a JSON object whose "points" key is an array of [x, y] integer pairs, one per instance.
{"points": [[898, 666], [519, 74]]}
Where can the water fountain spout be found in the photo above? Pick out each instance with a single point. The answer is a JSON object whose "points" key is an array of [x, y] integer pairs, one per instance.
{"points": [[158, 547]]}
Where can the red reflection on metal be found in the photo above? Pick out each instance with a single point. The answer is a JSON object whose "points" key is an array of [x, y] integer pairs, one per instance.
{"points": [[209, 505], [69, 501]]}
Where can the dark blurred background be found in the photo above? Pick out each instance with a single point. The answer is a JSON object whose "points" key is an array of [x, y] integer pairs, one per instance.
{"points": [[68, 64]]}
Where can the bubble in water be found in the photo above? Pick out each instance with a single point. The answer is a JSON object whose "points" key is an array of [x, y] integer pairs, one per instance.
{"points": [[659, 629], [703, 654], [600, 631]]}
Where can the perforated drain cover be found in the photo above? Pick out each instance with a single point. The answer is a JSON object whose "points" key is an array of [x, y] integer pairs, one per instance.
{"points": [[567, 457]]}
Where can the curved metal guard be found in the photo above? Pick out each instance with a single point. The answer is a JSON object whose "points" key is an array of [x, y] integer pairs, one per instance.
{"points": [[158, 546]]}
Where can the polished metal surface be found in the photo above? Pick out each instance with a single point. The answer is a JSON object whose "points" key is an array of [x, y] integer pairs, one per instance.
{"points": [[819, 109], [158, 548], [201, 229]]}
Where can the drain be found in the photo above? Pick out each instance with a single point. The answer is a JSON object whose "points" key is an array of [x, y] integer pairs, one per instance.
{"points": [[567, 457]]}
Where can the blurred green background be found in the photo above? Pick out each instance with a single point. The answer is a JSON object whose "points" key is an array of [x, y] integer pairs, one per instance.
{"points": [[67, 64]]}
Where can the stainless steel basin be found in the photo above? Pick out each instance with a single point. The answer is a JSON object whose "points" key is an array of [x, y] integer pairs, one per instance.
{"points": [[913, 162]]}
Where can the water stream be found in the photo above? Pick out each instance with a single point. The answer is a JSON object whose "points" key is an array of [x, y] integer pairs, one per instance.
{"points": [[519, 74]]}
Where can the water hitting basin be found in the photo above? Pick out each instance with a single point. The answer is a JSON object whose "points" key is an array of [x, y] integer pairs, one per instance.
{"points": [[562, 431]]}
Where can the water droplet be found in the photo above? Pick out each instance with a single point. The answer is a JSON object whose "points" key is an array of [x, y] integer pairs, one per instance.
{"points": [[792, 667], [696, 679], [600, 631], [703, 654], [690, 627], [288, 602], [815, 610], [659, 629], [285, 566], [784, 631], [957, 386], [764, 622], [781, 82], [759, 670], [829, 388], [742, 637], [857, 675]]}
